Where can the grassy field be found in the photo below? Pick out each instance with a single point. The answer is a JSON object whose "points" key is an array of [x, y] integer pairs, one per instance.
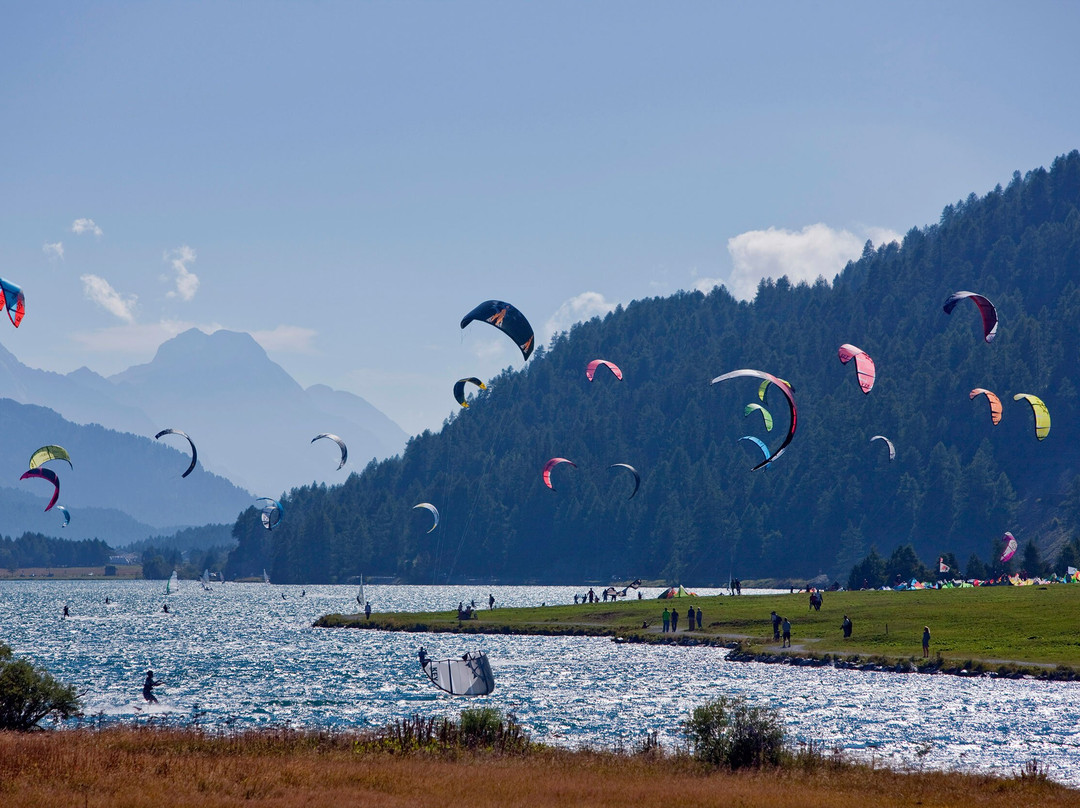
{"points": [[147, 766], [993, 628]]}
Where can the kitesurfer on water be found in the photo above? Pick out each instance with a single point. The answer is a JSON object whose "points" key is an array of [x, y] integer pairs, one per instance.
{"points": [[65, 610], [422, 653], [148, 687]]}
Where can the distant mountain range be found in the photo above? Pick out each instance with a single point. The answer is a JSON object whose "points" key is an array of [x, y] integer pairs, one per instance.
{"points": [[252, 424]]}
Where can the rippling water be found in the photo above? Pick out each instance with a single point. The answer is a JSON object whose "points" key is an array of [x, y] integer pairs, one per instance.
{"points": [[242, 655]]}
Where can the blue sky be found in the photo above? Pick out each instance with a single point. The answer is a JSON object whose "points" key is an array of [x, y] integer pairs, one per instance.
{"points": [[346, 180]]}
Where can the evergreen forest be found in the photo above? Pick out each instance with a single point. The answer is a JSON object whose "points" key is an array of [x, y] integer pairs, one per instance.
{"points": [[831, 501]]}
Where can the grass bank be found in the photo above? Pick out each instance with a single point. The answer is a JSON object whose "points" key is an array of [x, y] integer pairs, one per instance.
{"points": [[150, 766], [1028, 630]]}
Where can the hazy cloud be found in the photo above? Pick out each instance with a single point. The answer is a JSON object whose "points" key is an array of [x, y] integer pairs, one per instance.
{"points": [[187, 282], [575, 310], [137, 338], [98, 289], [80, 226], [53, 251], [287, 339], [803, 255]]}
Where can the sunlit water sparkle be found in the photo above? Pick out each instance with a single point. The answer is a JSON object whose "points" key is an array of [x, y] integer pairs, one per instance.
{"points": [[241, 655]]}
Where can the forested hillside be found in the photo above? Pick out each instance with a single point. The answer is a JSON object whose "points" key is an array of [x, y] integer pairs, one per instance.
{"points": [[956, 484]]}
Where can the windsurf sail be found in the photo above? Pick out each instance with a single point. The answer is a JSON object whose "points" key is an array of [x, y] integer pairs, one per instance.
{"points": [[360, 595], [172, 584], [266, 577], [206, 580], [468, 675]]}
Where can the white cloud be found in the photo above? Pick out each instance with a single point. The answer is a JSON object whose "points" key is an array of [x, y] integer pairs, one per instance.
{"points": [[804, 255], [287, 339], [53, 251], [137, 338], [187, 282], [80, 226], [98, 290], [575, 310]]}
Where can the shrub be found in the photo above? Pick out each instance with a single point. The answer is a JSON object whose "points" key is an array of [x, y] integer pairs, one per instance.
{"points": [[29, 694], [481, 726], [730, 732]]}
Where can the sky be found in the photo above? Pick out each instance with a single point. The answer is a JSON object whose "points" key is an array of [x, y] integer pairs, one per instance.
{"points": [[345, 180]]}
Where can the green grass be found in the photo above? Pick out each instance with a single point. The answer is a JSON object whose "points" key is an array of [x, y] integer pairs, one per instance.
{"points": [[985, 628]]}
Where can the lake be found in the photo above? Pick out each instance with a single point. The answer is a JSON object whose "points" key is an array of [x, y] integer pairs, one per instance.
{"points": [[246, 655]]}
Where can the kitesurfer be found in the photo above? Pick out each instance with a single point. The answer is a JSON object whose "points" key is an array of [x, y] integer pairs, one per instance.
{"points": [[165, 608], [148, 687], [422, 653], [65, 610]]}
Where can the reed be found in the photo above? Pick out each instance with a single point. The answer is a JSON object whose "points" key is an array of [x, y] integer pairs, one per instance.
{"points": [[283, 768]]}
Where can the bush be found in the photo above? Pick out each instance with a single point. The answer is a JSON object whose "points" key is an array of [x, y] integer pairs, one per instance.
{"points": [[481, 726], [729, 732], [29, 694]]}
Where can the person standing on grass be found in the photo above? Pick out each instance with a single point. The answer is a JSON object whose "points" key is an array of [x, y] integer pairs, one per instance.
{"points": [[846, 626], [674, 620], [667, 620], [775, 625], [925, 641], [786, 626], [699, 618]]}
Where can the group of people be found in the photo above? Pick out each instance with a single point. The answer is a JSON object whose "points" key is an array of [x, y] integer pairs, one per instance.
{"points": [[671, 619], [781, 625]]}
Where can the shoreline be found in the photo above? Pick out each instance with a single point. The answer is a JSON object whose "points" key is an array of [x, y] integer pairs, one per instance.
{"points": [[1003, 632]]}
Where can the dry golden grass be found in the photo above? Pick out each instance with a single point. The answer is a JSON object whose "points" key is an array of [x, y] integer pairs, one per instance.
{"points": [[173, 767]]}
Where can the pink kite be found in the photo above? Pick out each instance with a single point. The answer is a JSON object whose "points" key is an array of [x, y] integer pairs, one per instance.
{"points": [[590, 371], [864, 365], [1010, 547]]}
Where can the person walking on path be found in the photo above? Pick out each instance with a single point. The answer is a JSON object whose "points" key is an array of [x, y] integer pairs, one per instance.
{"points": [[786, 625], [667, 620], [926, 641], [674, 620]]}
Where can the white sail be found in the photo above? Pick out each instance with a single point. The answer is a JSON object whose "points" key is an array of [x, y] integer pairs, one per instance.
{"points": [[360, 596], [265, 576], [172, 584], [206, 580], [469, 675]]}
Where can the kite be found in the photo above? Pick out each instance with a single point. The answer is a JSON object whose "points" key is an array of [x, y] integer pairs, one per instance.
{"points": [[765, 414], [632, 470], [12, 297], [469, 675], [339, 442], [892, 449], [995, 403], [47, 453], [271, 514], [67, 514], [765, 386], [864, 365], [760, 443], [434, 512], [46, 474], [1039, 410], [194, 454], [548, 466], [760, 374], [459, 389], [590, 371], [986, 309], [1010, 547], [507, 319]]}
